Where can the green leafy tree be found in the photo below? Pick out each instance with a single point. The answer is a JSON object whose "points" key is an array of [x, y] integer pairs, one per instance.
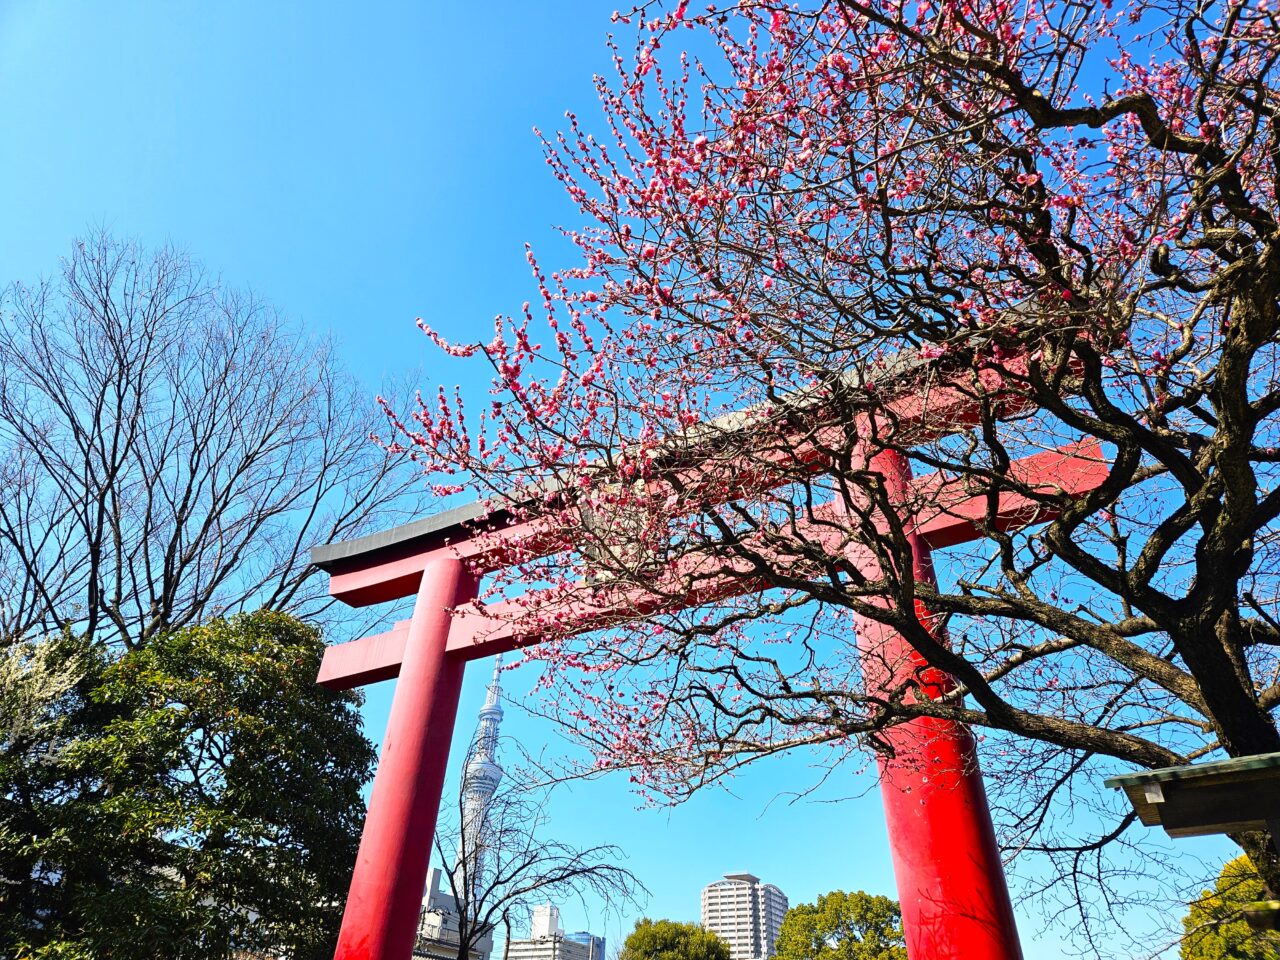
{"points": [[843, 926], [1214, 927], [168, 789], [35, 676], [672, 940], [200, 796]]}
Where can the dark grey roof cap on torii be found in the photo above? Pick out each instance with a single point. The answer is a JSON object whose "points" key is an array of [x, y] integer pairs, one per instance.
{"points": [[436, 528], [462, 522]]}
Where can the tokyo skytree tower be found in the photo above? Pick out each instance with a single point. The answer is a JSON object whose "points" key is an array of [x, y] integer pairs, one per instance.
{"points": [[480, 781]]}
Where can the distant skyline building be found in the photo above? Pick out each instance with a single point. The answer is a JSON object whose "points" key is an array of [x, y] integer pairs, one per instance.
{"points": [[745, 913], [596, 944], [548, 941], [438, 934], [438, 929]]}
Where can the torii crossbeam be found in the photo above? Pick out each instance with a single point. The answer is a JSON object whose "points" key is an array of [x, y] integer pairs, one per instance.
{"points": [[955, 902]]}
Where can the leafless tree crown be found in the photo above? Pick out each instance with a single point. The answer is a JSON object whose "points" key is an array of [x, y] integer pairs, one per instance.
{"points": [[171, 448], [513, 864]]}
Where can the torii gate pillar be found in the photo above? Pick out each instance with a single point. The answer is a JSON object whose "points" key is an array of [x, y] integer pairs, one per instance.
{"points": [[951, 884], [381, 916]]}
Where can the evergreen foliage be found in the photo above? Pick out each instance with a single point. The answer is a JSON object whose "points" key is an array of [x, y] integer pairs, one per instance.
{"points": [[1214, 927], [197, 797], [672, 940], [843, 926]]}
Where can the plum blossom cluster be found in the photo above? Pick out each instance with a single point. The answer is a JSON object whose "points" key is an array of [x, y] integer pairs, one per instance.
{"points": [[960, 231]]}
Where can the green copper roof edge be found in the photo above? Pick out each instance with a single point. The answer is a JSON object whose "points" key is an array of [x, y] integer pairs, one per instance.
{"points": [[1194, 771]]}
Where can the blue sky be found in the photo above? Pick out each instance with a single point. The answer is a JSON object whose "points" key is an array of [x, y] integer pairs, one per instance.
{"points": [[362, 165]]}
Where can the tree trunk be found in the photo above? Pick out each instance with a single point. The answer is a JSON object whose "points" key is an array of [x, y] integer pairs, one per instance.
{"points": [[1259, 847]]}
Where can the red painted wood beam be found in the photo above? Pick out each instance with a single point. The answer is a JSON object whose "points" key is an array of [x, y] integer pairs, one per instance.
{"points": [[353, 664], [396, 573], [380, 920], [951, 884], [947, 512], [948, 515]]}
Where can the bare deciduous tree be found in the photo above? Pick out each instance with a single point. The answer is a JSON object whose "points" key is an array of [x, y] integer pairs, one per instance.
{"points": [[170, 449], [511, 864]]}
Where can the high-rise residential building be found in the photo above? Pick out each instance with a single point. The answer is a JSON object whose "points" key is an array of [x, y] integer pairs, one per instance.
{"points": [[438, 934], [548, 940], [745, 913]]}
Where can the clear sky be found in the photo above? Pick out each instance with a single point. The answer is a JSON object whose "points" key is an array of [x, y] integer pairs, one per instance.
{"points": [[362, 165]]}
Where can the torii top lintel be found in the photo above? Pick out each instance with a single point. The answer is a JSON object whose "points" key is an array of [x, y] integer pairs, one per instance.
{"points": [[459, 526], [388, 565]]}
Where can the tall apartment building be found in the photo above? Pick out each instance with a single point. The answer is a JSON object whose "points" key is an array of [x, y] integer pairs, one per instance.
{"points": [[548, 941], [745, 913]]}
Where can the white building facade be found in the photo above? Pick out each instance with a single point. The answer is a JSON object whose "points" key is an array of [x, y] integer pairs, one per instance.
{"points": [[438, 935], [744, 913], [548, 940]]}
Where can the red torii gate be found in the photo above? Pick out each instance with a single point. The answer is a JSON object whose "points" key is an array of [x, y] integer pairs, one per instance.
{"points": [[951, 885]]}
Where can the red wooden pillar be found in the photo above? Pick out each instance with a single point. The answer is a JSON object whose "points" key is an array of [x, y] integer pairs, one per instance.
{"points": [[381, 917], [955, 902]]}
